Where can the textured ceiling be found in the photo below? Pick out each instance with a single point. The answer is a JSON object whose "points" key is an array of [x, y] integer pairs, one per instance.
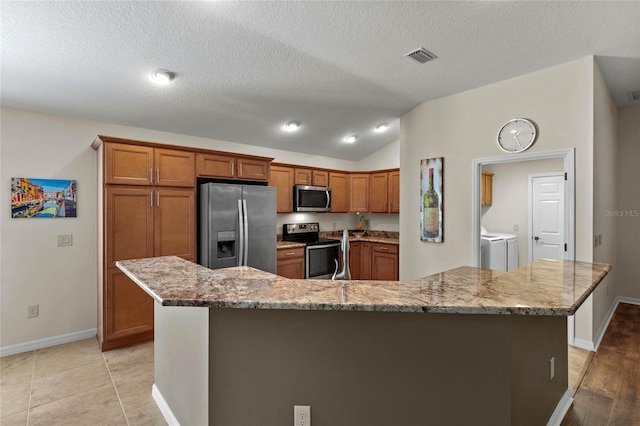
{"points": [[244, 68]]}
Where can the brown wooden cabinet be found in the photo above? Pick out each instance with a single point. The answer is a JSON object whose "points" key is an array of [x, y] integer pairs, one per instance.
{"points": [[339, 183], [129, 311], [311, 177], [291, 262], [394, 191], [379, 193], [142, 165], [487, 189], [354, 259], [384, 262], [282, 178], [232, 167], [358, 192]]}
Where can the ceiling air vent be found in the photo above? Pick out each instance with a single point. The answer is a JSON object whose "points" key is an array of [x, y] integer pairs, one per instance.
{"points": [[634, 96], [421, 55]]}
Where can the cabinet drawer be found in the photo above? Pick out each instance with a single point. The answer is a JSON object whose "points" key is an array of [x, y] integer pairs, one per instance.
{"points": [[291, 253], [385, 248]]}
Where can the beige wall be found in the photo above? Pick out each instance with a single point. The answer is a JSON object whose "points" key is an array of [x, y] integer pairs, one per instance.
{"points": [[605, 195], [463, 127], [63, 281], [628, 204], [510, 199]]}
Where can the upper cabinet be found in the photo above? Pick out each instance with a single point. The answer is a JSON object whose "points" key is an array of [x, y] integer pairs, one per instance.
{"points": [[339, 184], [358, 192], [394, 191], [311, 177], [487, 189], [232, 167], [143, 165], [282, 179], [379, 193]]}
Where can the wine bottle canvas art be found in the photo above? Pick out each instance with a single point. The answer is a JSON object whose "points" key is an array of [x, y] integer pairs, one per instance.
{"points": [[432, 200]]}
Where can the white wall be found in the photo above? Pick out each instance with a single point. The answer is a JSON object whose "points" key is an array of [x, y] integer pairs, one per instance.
{"points": [[463, 127], [510, 199], [63, 281], [387, 157], [628, 205]]}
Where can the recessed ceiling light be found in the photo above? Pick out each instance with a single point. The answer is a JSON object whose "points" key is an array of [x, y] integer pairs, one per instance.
{"points": [[350, 138], [381, 128], [162, 77], [291, 126]]}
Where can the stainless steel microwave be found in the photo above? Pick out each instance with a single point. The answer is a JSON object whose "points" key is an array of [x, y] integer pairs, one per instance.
{"points": [[311, 198]]}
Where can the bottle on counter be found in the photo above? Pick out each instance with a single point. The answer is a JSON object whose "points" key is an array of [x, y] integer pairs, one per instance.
{"points": [[430, 211]]}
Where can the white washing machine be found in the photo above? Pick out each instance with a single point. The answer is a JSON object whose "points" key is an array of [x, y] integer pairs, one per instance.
{"points": [[511, 241], [493, 252]]}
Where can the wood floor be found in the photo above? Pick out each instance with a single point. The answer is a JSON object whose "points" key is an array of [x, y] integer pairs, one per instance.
{"points": [[610, 391], [579, 360]]}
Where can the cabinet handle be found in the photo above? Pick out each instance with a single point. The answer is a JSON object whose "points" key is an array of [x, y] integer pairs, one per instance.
{"points": [[151, 199], [232, 168], [157, 175], [151, 175], [383, 249], [289, 254], [158, 198]]}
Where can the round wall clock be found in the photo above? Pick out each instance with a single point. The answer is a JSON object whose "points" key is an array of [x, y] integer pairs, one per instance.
{"points": [[517, 135]]}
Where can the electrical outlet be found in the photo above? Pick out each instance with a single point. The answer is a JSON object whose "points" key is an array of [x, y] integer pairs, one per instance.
{"points": [[65, 240], [301, 415], [552, 368], [33, 311]]}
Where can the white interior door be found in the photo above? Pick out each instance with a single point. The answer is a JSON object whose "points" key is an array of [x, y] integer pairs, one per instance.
{"points": [[547, 237]]}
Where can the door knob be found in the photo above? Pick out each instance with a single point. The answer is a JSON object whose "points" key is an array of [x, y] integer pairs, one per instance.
{"points": [[536, 238]]}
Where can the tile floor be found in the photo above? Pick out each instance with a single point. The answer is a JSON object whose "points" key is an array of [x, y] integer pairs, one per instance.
{"points": [[76, 384]]}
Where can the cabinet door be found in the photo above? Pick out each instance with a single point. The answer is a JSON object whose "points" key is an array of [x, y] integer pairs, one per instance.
{"points": [[358, 193], [365, 260], [213, 165], [320, 178], [129, 223], [253, 169], [175, 223], [394, 192], [174, 168], [129, 309], [385, 262], [303, 177], [354, 259], [487, 189], [291, 263], [282, 179], [128, 164], [378, 193], [339, 183]]}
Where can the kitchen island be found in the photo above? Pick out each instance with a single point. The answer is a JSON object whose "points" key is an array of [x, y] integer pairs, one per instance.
{"points": [[239, 346]]}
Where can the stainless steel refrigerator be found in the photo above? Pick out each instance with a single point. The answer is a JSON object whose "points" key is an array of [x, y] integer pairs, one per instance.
{"points": [[237, 226]]}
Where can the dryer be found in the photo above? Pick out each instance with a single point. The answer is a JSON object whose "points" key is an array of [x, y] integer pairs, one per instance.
{"points": [[493, 252], [511, 241]]}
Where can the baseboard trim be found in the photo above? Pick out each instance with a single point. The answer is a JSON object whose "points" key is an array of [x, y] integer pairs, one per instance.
{"points": [[163, 406], [612, 310], [561, 409], [49, 341], [583, 344]]}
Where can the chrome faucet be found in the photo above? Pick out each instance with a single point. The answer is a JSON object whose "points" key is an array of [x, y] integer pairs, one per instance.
{"points": [[345, 274]]}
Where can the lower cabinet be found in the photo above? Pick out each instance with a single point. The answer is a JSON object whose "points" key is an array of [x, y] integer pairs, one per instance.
{"points": [[373, 261], [129, 311], [291, 263]]}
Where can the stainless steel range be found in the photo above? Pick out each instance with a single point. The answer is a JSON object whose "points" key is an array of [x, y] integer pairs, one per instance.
{"points": [[320, 253]]}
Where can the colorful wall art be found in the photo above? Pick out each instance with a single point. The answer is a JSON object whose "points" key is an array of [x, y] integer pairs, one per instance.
{"points": [[43, 197], [432, 200]]}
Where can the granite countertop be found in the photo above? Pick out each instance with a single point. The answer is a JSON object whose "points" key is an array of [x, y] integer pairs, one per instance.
{"points": [[282, 245], [385, 237], [544, 287]]}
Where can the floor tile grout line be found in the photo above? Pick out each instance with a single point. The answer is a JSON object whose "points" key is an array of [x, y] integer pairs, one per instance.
{"points": [[115, 388], [33, 372]]}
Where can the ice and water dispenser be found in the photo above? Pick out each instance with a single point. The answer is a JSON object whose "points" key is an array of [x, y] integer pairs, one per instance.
{"points": [[226, 244]]}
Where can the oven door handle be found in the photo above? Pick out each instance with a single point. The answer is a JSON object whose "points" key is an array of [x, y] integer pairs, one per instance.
{"points": [[321, 246]]}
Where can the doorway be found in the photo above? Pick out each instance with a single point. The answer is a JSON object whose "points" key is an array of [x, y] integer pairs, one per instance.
{"points": [[568, 217], [546, 216]]}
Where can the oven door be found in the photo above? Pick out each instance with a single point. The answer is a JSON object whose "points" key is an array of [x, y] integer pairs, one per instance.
{"points": [[320, 260]]}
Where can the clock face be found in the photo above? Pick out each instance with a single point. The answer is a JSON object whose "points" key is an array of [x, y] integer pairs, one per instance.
{"points": [[517, 135]]}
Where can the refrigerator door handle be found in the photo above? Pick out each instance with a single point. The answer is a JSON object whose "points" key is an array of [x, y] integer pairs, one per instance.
{"points": [[240, 250], [246, 232]]}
